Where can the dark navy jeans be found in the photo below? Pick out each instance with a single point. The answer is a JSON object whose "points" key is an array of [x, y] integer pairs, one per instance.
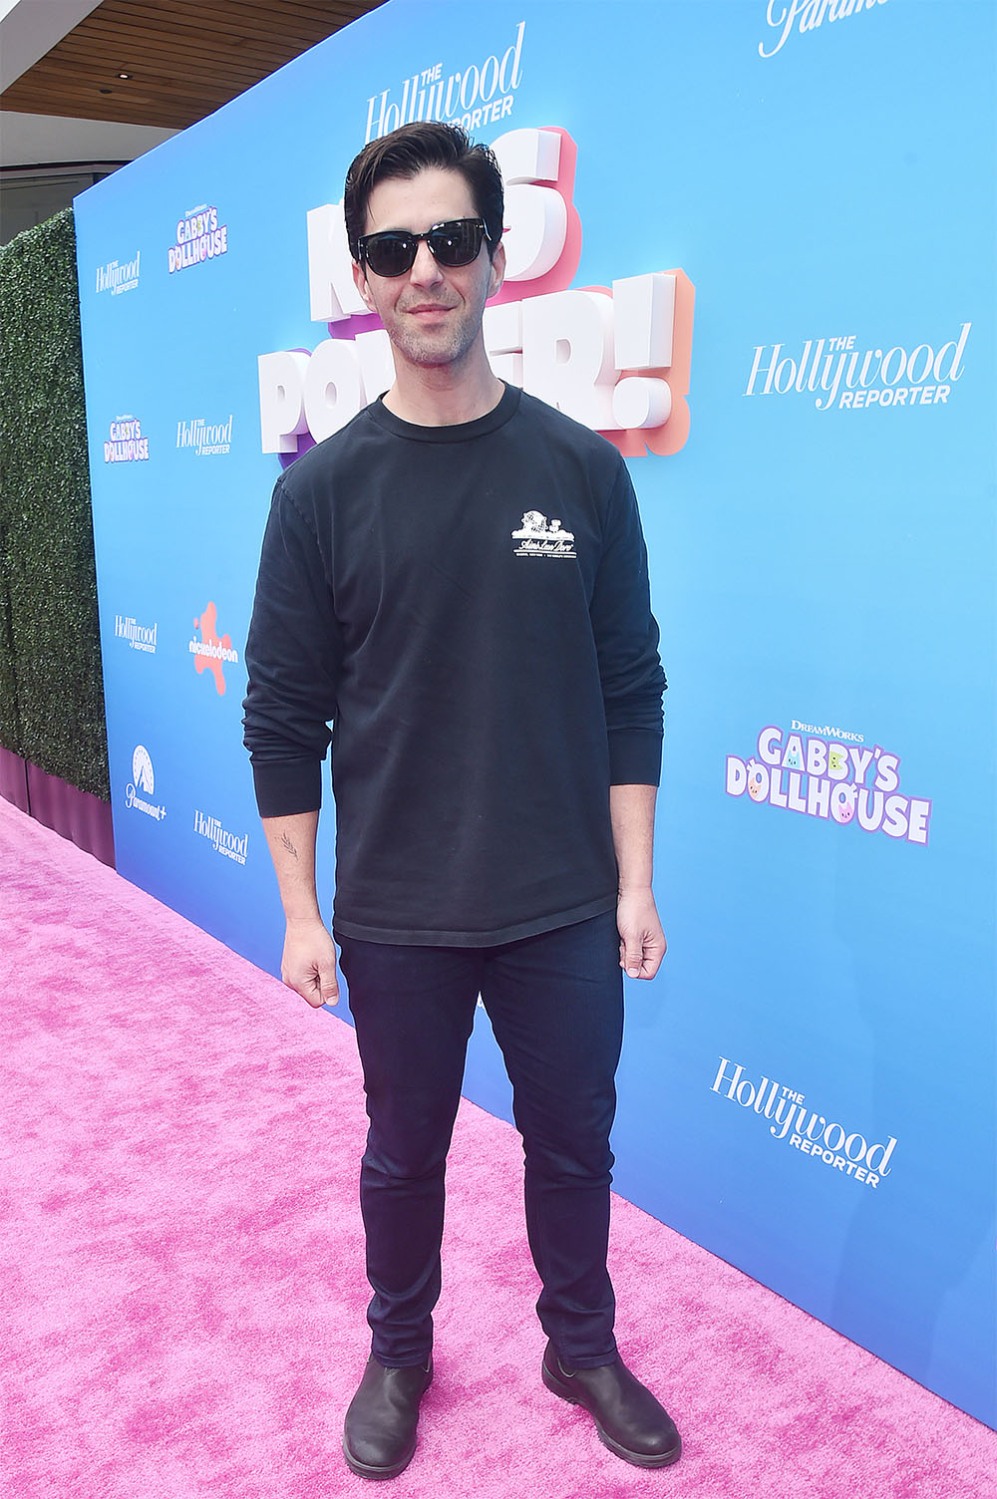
{"points": [[556, 1006]]}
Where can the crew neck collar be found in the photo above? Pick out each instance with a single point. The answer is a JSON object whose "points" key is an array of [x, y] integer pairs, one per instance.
{"points": [[456, 431]]}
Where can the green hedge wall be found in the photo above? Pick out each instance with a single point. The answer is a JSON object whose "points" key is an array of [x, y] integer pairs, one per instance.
{"points": [[51, 689]]}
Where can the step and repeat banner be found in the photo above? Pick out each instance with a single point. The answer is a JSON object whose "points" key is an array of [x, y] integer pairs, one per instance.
{"points": [[752, 242]]}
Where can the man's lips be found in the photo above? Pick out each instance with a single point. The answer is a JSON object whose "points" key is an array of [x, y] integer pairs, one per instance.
{"points": [[427, 309]]}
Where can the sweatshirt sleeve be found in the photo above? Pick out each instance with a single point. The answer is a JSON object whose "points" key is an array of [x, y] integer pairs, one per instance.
{"points": [[293, 655], [626, 638]]}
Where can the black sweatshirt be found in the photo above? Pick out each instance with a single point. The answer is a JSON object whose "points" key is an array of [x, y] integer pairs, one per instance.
{"points": [[468, 606]]}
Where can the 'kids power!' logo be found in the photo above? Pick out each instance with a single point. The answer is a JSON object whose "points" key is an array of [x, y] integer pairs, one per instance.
{"points": [[615, 358], [212, 651], [200, 237], [806, 771], [811, 1133], [125, 442]]}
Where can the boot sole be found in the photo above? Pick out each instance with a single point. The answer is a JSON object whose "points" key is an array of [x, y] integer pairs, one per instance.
{"points": [[638, 1459], [365, 1470]]}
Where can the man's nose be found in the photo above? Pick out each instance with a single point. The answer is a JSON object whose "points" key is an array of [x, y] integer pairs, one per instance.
{"points": [[425, 271]]}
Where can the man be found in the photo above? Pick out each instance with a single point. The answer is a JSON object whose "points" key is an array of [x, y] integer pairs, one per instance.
{"points": [[496, 706]]}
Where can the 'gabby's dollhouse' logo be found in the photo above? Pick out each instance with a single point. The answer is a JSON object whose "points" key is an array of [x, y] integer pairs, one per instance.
{"points": [[200, 236], [125, 442], [837, 778]]}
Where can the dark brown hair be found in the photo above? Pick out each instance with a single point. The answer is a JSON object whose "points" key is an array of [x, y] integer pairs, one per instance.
{"points": [[405, 153]]}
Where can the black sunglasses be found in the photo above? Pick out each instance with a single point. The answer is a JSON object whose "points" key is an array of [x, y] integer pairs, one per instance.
{"points": [[453, 244]]}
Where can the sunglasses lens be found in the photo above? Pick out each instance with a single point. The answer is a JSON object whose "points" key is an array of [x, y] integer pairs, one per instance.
{"points": [[390, 254], [456, 243], [453, 244]]}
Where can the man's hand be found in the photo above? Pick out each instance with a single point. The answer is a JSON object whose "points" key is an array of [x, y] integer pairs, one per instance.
{"points": [[308, 965], [642, 941]]}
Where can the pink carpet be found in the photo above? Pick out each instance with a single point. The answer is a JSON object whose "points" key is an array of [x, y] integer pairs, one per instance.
{"points": [[181, 1262]]}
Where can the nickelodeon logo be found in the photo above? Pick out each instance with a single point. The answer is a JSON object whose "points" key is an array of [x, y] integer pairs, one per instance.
{"points": [[212, 651]]}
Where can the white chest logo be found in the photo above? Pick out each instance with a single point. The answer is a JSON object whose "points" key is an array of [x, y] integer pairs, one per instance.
{"points": [[539, 537]]}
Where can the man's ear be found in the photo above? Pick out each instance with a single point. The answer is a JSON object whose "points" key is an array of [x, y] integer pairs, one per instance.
{"points": [[360, 282], [497, 269]]}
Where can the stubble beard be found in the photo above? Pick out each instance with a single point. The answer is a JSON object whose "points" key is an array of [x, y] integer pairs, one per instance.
{"points": [[433, 349], [450, 345]]}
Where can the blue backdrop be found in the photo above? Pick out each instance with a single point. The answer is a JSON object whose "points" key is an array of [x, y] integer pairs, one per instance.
{"points": [[788, 210]]}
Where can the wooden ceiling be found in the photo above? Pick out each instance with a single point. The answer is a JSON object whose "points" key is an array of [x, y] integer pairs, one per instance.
{"points": [[185, 58]]}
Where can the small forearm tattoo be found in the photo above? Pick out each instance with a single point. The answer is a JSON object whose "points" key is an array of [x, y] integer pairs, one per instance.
{"points": [[286, 843]]}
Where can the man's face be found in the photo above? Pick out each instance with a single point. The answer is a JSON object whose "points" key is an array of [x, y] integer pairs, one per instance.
{"points": [[432, 315]]}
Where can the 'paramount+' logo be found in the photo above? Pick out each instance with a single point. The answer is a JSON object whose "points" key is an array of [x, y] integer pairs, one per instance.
{"points": [[125, 442], [480, 94], [205, 438], [811, 1133], [837, 374], [142, 786], [808, 15], [845, 781], [200, 237], [139, 637], [223, 842], [117, 278]]}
